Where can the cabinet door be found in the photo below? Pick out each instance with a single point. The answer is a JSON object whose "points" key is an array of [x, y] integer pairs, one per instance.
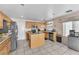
{"points": [[5, 47], [1, 24], [8, 47], [37, 40], [1, 21], [3, 51], [46, 35], [54, 36]]}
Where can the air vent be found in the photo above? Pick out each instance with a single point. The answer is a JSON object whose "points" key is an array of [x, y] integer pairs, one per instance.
{"points": [[68, 11], [22, 4]]}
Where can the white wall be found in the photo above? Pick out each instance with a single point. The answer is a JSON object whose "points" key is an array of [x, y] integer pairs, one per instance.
{"points": [[21, 28]]}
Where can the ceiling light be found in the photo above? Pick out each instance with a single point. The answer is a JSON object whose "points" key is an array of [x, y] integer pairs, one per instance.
{"points": [[22, 16]]}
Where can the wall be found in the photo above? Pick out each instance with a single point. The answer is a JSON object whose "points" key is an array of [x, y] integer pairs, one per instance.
{"points": [[21, 28], [58, 24], [58, 21]]}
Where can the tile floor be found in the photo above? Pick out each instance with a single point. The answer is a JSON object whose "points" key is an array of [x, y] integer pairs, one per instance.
{"points": [[50, 48]]}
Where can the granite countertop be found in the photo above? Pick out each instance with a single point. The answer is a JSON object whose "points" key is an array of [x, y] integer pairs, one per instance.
{"points": [[3, 38], [74, 36], [49, 31], [36, 33]]}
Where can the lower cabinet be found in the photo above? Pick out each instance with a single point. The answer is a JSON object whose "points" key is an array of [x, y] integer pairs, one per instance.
{"points": [[5, 47], [46, 35], [4, 51], [36, 40]]}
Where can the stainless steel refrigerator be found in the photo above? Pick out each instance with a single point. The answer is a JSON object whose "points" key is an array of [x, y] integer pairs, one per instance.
{"points": [[14, 33]]}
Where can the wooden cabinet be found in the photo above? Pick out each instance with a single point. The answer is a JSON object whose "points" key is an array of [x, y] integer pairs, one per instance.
{"points": [[5, 44], [29, 24], [3, 51], [5, 47], [8, 46], [1, 24], [36, 40], [46, 35], [54, 36], [4, 17], [1, 21], [27, 36]]}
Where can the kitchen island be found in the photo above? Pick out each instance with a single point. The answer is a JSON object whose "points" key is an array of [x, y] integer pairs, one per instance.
{"points": [[36, 39]]}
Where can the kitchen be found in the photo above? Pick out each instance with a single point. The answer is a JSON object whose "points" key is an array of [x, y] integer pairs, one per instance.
{"points": [[25, 33], [35, 39]]}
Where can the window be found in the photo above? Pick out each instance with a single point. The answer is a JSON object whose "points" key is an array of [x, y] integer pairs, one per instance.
{"points": [[76, 26], [50, 25], [66, 27], [69, 26]]}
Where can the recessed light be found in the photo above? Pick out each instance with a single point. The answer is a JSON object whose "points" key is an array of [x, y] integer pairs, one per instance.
{"points": [[22, 16]]}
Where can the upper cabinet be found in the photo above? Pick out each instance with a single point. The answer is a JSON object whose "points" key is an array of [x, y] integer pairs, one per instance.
{"points": [[6, 18], [1, 24], [29, 24], [1, 21]]}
